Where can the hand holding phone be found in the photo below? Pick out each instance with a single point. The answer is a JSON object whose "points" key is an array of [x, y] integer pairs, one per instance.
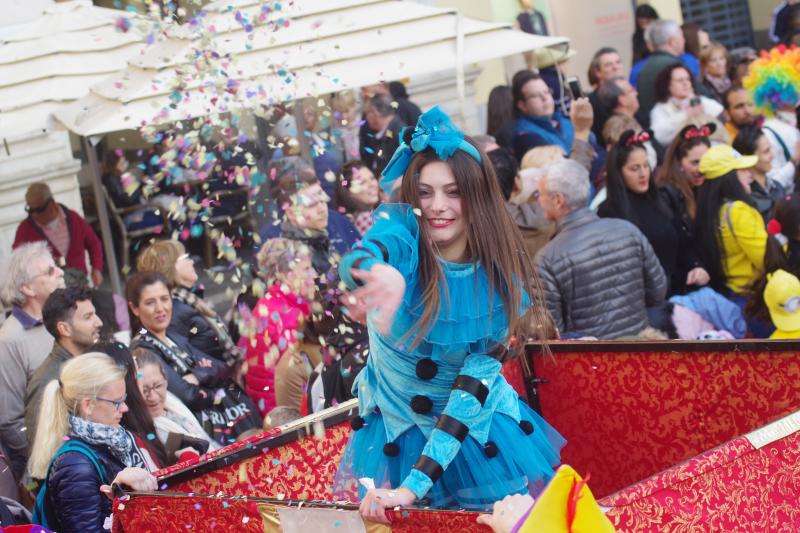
{"points": [[575, 88]]}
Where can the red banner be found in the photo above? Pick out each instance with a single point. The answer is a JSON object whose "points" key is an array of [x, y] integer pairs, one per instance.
{"points": [[629, 410], [743, 485]]}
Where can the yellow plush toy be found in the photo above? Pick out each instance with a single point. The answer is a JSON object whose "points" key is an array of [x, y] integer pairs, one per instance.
{"points": [[566, 506]]}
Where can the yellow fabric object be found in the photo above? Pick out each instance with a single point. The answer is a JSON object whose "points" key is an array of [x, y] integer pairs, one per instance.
{"points": [[744, 245], [782, 296], [550, 513], [785, 334], [721, 159]]}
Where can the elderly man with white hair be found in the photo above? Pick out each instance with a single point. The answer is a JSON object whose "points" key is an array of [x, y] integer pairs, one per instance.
{"points": [[665, 37], [30, 275], [599, 275]]}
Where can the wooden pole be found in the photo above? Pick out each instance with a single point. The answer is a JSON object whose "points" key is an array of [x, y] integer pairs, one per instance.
{"points": [[102, 216]]}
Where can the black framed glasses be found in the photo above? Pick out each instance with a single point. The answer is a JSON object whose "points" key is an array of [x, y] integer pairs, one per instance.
{"points": [[116, 403], [158, 388], [37, 210]]}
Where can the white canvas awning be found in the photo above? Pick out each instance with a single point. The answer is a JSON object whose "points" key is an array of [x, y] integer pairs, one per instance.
{"points": [[56, 58], [309, 48]]}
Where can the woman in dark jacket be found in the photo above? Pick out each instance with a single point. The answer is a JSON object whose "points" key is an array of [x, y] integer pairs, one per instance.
{"points": [[193, 318], [201, 382], [80, 449], [633, 196], [679, 177]]}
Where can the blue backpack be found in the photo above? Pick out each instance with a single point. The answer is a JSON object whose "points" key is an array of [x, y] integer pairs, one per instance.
{"points": [[72, 445]]}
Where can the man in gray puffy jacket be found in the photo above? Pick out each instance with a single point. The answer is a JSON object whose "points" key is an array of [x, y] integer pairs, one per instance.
{"points": [[598, 275]]}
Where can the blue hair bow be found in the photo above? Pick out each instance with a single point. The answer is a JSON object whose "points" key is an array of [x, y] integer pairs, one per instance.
{"points": [[434, 130]]}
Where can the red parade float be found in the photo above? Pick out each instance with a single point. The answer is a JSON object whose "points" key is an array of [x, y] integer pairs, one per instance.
{"points": [[677, 436]]}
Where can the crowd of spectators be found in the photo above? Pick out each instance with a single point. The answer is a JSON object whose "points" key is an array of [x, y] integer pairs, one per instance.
{"points": [[689, 229]]}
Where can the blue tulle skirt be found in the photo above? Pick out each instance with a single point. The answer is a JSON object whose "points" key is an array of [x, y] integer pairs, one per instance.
{"points": [[473, 480]]}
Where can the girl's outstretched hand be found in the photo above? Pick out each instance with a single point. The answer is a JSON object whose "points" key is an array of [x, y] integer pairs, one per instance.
{"points": [[507, 513], [382, 292], [375, 503]]}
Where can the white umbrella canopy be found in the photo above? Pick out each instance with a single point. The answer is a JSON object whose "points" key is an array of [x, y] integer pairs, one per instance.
{"points": [[56, 58], [250, 54]]}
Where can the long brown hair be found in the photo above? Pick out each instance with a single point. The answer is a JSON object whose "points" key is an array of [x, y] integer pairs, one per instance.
{"points": [[671, 171], [492, 239]]}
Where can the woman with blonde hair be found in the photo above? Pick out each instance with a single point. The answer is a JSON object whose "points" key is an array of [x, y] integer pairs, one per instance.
{"points": [[541, 156], [346, 123], [80, 449], [192, 317], [714, 70]]}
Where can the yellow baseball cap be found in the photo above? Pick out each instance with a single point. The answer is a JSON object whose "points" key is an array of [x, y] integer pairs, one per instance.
{"points": [[722, 158], [782, 296]]}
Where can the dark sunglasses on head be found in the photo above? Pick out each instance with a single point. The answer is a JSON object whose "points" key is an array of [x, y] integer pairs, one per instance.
{"points": [[40, 209]]}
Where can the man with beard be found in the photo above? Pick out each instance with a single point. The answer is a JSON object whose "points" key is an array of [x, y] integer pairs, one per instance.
{"points": [[71, 319]]}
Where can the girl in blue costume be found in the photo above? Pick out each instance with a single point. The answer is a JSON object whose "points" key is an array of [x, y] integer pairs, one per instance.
{"points": [[444, 282]]}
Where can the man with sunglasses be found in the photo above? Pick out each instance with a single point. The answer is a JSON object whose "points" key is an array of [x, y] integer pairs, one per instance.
{"points": [[30, 276], [67, 234], [69, 316]]}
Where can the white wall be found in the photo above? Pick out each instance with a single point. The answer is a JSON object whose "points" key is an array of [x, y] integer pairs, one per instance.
{"points": [[28, 159], [601, 23], [19, 11]]}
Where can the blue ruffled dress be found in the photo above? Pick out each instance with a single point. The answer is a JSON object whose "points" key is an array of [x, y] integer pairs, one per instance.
{"points": [[440, 419]]}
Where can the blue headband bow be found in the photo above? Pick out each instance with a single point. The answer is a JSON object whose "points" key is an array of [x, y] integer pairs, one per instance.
{"points": [[434, 130]]}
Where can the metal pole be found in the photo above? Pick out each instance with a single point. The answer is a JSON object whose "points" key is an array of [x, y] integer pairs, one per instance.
{"points": [[102, 216], [262, 131], [460, 83], [299, 122]]}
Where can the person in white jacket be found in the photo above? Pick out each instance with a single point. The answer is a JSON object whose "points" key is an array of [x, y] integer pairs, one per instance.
{"points": [[172, 419], [784, 137], [677, 103]]}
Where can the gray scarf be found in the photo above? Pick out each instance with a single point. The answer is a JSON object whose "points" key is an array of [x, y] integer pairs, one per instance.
{"points": [[117, 439]]}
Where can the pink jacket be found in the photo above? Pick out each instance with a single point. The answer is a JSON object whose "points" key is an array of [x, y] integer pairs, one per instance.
{"points": [[276, 327]]}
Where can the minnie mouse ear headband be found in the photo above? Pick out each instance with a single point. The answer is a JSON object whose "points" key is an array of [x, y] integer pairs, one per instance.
{"points": [[434, 130], [693, 132], [630, 137]]}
